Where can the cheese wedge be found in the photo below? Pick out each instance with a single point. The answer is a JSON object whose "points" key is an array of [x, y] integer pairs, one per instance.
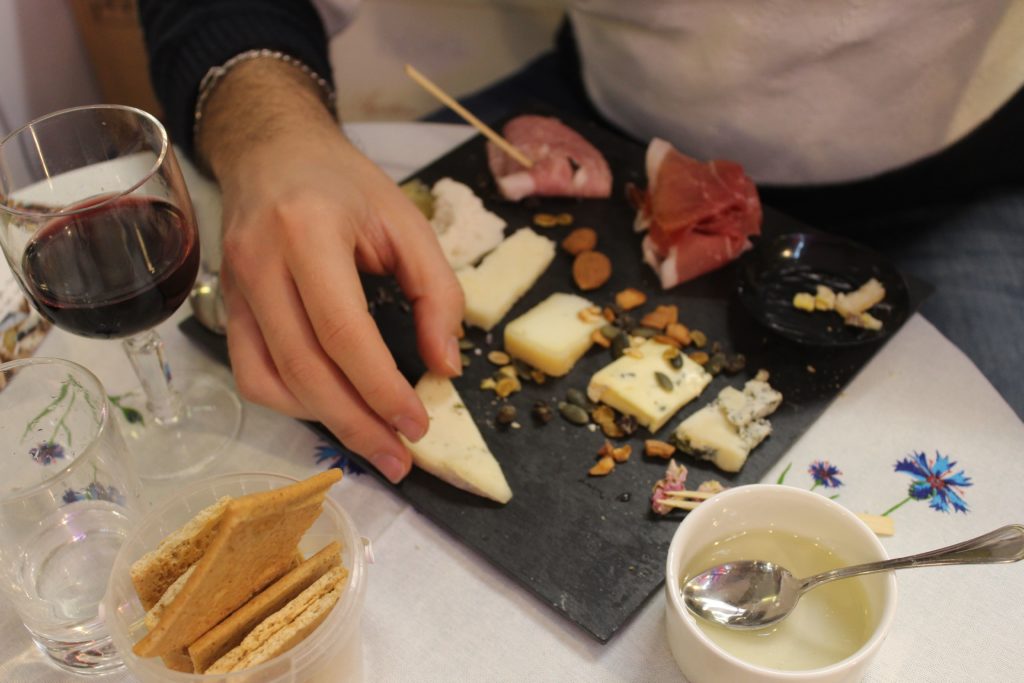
{"points": [[728, 428], [505, 274], [453, 449], [630, 384], [552, 335]]}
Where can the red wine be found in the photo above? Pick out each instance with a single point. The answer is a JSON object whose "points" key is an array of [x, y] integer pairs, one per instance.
{"points": [[115, 270]]}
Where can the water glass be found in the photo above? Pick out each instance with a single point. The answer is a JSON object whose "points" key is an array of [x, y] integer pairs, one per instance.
{"points": [[68, 494]]}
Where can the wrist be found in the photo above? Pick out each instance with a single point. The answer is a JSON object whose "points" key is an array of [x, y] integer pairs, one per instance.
{"points": [[255, 105]]}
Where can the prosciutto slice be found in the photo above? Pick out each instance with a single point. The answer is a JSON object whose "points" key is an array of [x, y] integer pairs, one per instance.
{"points": [[700, 214], [564, 163]]}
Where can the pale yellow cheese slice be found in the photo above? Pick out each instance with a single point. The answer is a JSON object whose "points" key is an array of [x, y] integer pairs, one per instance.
{"points": [[630, 384], [453, 449], [504, 275], [552, 335]]}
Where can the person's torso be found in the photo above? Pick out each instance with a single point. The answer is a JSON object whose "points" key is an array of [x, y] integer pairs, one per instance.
{"points": [[802, 91]]}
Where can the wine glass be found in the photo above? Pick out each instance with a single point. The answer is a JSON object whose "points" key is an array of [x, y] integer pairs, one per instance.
{"points": [[97, 226]]}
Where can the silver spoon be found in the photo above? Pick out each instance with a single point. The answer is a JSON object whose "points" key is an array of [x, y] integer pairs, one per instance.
{"points": [[752, 594]]}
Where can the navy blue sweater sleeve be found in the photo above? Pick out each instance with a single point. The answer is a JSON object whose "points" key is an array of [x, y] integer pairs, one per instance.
{"points": [[185, 38]]}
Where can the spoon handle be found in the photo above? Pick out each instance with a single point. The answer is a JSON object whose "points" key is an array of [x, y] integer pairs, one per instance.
{"points": [[1005, 544]]}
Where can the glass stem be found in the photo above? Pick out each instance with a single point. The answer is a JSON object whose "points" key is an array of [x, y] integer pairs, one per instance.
{"points": [[146, 352]]}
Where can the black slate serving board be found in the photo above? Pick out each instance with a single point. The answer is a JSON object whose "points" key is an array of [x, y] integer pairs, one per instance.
{"points": [[589, 546]]}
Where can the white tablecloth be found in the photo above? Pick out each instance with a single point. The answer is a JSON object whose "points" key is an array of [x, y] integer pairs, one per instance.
{"points": [[436, 612]]}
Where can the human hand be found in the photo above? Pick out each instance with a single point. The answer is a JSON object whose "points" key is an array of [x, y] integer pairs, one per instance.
{"points": [[304, 213]]}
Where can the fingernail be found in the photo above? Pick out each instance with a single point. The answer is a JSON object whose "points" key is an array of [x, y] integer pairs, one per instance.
{"points": [[454, 357], [391, 466], [409, 428]]}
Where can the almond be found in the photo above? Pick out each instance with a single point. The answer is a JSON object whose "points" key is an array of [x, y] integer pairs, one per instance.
{"points": [[591, 269], [580, 240]]}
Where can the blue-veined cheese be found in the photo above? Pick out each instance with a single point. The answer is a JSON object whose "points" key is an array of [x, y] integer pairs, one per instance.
{"points": [[505, 274], [728, 428], [553, 335], [630, 384], [453, 448]]}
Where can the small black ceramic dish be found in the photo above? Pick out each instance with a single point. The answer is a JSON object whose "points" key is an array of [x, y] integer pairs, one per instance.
{"points": [[778, 268]]}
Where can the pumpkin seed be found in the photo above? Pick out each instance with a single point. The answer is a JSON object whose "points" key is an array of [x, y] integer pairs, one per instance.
{"points": [[610, 331], [663, 381], [619, 344], [573, 413], [645, 332]]}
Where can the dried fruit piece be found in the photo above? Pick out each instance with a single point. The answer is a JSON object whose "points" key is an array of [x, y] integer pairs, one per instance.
{"points": [[658, 449], [699, 357], [580, 240], [679, 332], [666, 340], [630, 298], [602, 467], [608, 314], [698, 338], [488, 383], [591, 269], [604, 416], [661, 317], [622, 453], [507, 386], [499, 358]]}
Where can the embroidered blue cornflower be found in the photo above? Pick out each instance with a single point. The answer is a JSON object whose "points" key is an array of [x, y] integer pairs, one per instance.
{"points": [[335, 457], [46, 452], [825, 474], [94, 491], [934, 480]]}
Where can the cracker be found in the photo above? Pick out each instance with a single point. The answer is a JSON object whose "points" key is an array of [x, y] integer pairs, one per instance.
{"points": [[286, 628], [229, 633], [252, 546], [153, 573]]}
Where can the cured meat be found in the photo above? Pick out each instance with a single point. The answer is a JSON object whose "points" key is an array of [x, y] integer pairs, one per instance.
{"points": [[564, 163], [701, 215]]}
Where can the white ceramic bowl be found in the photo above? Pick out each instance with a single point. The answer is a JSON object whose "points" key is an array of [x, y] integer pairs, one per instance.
{"points": [[333, 652], [787, 509]]}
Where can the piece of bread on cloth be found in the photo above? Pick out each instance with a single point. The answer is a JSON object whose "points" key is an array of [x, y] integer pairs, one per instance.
{"points": [[253, 544]]}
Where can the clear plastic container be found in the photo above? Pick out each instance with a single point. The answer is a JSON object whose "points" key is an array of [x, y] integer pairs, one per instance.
{"points": [[333, 652]]}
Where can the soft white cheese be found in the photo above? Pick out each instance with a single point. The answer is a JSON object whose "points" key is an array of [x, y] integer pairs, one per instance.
{"points": [[552, 336], [453, 448], [464, 228], [508, 272], [630, 384]]}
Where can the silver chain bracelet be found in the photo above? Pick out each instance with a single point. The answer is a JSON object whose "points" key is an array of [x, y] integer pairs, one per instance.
{"points": [[217, 73]]}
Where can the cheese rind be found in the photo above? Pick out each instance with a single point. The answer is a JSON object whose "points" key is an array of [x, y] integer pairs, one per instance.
{"points": [[453, 448], [505, 274], [552, 336], [630, 384], [728, 428]]}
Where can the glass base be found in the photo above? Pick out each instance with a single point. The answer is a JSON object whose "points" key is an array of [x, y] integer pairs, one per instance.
{"points": [[89, 658], [213, 416]]}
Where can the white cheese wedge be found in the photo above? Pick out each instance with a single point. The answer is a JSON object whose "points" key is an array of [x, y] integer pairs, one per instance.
{"points": [[508, 272], [453, 449], [630, 384], [552, 336], [465, 229], [728, 428]]}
